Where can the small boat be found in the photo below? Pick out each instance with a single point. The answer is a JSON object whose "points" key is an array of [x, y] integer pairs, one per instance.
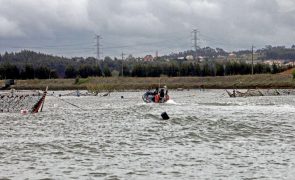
{"points": [[150, 97]]}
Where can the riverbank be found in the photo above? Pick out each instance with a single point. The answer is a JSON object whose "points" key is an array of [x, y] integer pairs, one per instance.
{"points": [[263, 81]]}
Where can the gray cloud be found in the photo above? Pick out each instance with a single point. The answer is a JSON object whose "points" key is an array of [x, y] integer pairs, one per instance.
{"points": [[67, 27]]}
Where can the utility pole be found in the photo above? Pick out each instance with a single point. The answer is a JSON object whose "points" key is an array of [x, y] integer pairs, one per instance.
{"points": [[122, 64], [253, 59], [195, 39]]}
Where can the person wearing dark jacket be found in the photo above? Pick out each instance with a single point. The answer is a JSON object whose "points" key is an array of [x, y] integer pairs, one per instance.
{"points": [[156, 91], [162, 95]]}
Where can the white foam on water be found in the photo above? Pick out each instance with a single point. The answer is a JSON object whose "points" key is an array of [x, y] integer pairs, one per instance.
{"points": [[170, 101]]}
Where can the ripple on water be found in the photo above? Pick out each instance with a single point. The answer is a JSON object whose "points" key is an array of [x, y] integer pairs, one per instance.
{"points": [[208, 136]]}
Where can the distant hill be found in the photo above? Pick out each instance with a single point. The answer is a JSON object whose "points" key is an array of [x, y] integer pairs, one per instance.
{"points": [[40, 59]]}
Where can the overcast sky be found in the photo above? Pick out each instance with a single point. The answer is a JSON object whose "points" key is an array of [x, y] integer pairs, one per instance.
{"points": [[139, 27]]}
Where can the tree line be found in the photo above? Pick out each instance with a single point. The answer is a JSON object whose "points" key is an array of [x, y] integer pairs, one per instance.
{"points": [[205, 69], [9, 71]]}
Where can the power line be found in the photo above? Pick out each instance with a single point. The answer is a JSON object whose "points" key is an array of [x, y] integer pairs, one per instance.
{"points": [[215, 41], [134, 46], [143, 44]]}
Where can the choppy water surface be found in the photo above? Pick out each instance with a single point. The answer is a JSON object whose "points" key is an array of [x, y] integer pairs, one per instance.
{"points": [[209, 136]]}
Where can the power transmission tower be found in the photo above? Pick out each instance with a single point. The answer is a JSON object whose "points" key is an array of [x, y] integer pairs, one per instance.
{"points": [[98, 38], [99, 53], [122, 64], [253, 59], [195, 39]]}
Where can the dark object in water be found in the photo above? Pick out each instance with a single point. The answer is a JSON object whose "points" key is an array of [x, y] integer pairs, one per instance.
{"points": [[107, 94], [122, 97], [165, 116]]}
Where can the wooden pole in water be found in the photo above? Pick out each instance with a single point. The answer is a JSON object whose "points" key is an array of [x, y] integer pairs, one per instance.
{"points": [[44, 99], [37, 106]]}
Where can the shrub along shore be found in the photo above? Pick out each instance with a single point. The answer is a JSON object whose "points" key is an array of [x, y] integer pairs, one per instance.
{"points": [[263, 81]]}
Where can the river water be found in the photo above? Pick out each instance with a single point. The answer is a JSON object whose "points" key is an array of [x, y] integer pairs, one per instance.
{"points": [[208, 136]]}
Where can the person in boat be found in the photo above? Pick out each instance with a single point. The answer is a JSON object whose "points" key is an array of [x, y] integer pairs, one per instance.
{"points": [[156, 95], [156, 91], [162, 95]]}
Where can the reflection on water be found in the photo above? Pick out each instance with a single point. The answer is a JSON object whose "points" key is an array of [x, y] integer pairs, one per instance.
{"points": [[208, 136]]}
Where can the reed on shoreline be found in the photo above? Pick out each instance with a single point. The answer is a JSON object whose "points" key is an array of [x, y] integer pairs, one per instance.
{"points": [[264, 81]]}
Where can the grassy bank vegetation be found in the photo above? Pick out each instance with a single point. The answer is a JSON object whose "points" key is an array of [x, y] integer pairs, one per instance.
{"points": [[133, 83]]}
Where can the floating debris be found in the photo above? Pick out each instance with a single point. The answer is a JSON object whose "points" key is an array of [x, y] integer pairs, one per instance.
{"points": [[260, 92], [78, 94], [107, 94], [165, 116]]}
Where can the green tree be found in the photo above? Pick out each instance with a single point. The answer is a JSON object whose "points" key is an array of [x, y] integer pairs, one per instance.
{"points": [[53, 74], [71, 72], [191, 70], [138, 71], [85, 71], [206, 70], [198, 70], [42, 72], [126, 71], [258, 68], [96, 71], [173, 70], [184, 70], [219, 70], [28, 72], [9, 71], [275, 68], [106, 71]]}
